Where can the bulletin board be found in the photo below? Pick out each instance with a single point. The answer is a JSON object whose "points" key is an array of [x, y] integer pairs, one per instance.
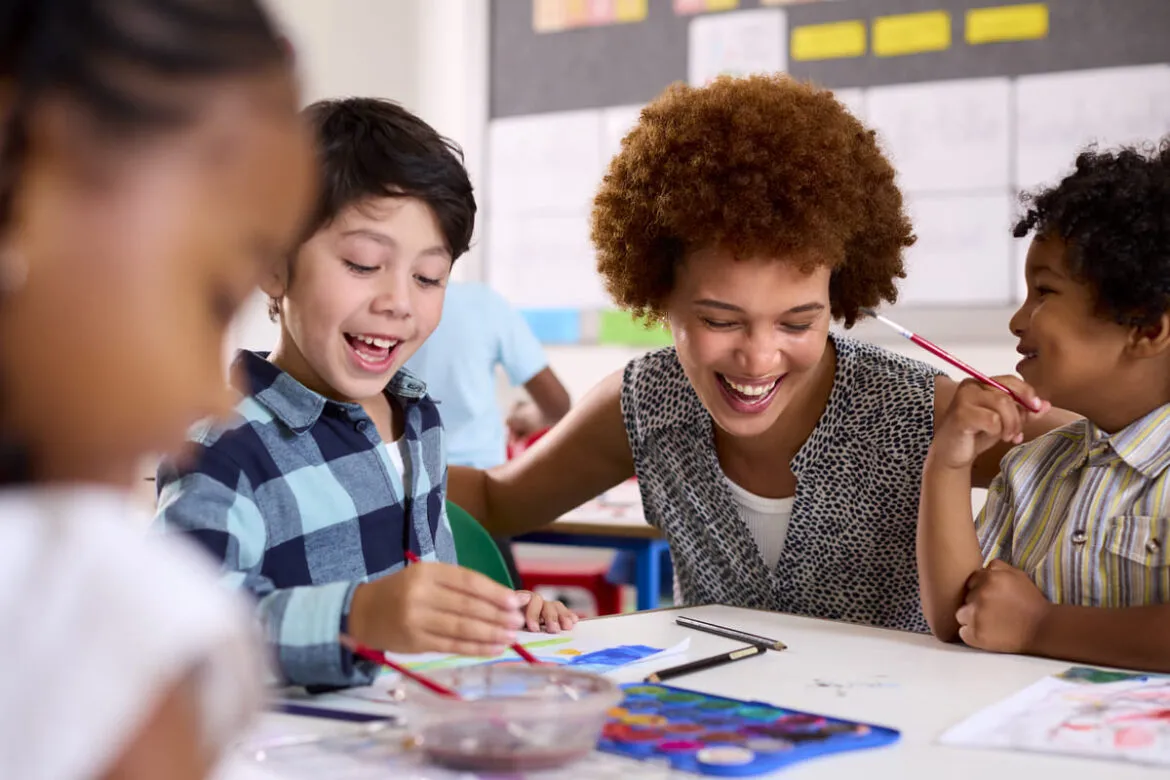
{"points": [[975, 101]]}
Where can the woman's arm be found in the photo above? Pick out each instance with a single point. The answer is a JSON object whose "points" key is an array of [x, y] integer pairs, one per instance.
{"points": [[584, 455], [987, 464]]}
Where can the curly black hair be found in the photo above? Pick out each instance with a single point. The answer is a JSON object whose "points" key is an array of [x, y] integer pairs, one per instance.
{"points": [[763, 166], [1113, 214]]}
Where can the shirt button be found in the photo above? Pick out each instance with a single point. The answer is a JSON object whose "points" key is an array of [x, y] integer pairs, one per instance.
{"points": [[1153, 546], [362, 425], [1079, 536]]}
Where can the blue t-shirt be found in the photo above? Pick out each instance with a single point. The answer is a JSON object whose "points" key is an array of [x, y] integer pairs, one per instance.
{"points": [[479, 330]]}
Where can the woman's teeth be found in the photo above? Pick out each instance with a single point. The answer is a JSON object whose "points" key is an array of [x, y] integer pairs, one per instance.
{"points": [[751, 391]]}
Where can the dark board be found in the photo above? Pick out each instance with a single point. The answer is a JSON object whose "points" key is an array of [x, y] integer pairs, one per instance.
{"points": [[625, 64]]}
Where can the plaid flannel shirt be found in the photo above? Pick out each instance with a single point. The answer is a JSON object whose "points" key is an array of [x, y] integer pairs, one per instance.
{"points": [[298, 499]]}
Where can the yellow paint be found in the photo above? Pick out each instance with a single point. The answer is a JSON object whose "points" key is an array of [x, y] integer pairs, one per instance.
{"points": [[618, 712], [568, 651], [631, 10], [644, 720], [722, 5], [828, 41], [894, 36], [1007, 23]]}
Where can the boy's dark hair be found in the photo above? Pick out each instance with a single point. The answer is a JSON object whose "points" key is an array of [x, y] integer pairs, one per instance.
{"points": [[374, 148], [120, 62], [1113, 214]]}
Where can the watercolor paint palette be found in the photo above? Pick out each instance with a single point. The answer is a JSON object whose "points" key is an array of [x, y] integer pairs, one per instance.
{"points": [[714, 735]]}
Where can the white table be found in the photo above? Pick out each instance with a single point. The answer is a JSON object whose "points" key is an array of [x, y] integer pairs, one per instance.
{"points": [[910, 682]]}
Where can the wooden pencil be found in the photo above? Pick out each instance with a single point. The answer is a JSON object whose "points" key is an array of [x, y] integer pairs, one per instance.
{"points": [[705, 663]]}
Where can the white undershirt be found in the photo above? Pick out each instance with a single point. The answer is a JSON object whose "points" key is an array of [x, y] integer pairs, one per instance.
{"points": [[766, 518], [399, 458]]}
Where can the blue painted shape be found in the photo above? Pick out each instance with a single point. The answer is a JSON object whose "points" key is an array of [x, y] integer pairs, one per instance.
{"points": [[554, 326]]}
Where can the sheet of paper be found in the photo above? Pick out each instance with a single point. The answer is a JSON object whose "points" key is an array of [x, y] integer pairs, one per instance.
{"points": [[945, 136], [737, 44], [544, 164], [1080, 712], [964, 250], [1058, 114], [1019, 260], [616, 121], [544, 262], [561, 649]]}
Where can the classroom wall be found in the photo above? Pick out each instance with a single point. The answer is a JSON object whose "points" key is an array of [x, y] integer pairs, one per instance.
{"points": [[431, 55]]}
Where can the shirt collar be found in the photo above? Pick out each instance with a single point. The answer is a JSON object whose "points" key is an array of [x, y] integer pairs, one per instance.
{"points": [[295, 405], [1144, 444]]}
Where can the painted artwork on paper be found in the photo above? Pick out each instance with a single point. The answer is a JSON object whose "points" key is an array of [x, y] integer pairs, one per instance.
{"points": [[1082, 711]]}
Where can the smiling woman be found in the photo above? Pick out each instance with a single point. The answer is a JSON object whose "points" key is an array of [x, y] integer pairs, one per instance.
{"points": [[781, 461]]}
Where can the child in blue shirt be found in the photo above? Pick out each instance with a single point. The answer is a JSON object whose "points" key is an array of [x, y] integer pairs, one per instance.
{"points": [[479, 332], [334, 466]]}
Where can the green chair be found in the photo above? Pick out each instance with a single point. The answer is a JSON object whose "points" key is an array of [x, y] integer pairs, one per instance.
{"points": [[475, 548]]}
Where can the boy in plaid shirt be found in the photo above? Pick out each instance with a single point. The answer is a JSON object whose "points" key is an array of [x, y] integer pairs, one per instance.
{"points": [[334, 464]]}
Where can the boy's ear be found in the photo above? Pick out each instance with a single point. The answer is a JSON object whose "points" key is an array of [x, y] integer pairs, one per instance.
{"points": [[1151, 340], [274, 282]]}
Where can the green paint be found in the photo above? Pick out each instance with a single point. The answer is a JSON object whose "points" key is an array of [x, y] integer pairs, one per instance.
{"points": [[453, 661], [644, 690], [1085, 674], [560, 640], [681, 698], [719, 704], [760, 713], [619, 328]]}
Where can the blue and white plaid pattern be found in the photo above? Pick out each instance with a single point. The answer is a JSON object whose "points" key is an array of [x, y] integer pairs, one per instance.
{"points": [[299, 500]]}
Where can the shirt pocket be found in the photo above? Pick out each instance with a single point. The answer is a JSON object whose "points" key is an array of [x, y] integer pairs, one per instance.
{"points": [[1136, 561]]}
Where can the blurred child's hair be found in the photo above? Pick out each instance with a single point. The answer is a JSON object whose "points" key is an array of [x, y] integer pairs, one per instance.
{"points": [[119, 63], [1113, 214], [374, 148]]}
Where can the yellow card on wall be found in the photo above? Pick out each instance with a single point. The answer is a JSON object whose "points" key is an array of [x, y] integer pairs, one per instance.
{"points": [[828, 41], [1007, 23], [902, 34]]}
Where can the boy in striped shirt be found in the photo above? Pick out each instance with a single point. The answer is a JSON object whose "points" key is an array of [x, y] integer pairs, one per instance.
{"points": [[1069, 557]]}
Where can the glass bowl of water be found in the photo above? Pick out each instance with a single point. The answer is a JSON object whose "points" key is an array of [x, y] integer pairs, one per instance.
{"points": [[511, 717]]}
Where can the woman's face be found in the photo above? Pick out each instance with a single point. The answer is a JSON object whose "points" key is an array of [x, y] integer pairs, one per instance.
{"points": [[138, 257], [749, 334]]}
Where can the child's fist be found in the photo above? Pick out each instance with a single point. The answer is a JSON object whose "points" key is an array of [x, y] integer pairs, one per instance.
{"points": [[1003, 610], [552, 616], [981, 416]]}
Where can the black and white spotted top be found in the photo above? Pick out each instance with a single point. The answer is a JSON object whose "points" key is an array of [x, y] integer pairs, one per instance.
{"points": [[849, 554]]}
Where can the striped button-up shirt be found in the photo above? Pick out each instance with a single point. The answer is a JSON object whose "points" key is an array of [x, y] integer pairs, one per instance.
{"points": [[1086, 514], [299, 502]]}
